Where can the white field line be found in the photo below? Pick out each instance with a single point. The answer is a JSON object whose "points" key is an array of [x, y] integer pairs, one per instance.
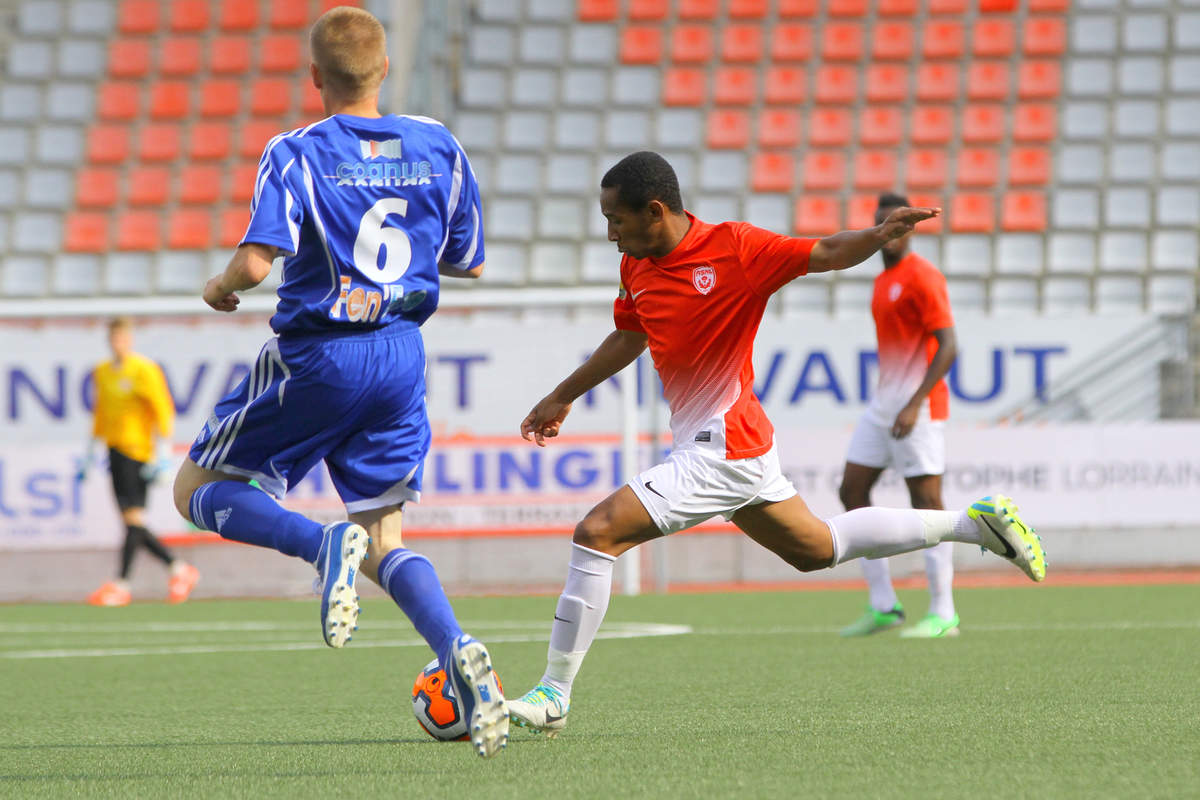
{"points": [[986, 627]]}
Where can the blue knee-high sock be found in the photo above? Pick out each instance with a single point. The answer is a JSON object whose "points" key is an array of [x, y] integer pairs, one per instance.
{"points": [[240, 512], [412, 582]]}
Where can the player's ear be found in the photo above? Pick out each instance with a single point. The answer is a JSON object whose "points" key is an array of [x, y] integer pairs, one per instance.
{"points": [[315, 72], [656, 211], [387, 63]]}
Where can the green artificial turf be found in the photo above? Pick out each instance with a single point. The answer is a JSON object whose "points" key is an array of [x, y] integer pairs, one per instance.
{"points": [[1049, 692]]}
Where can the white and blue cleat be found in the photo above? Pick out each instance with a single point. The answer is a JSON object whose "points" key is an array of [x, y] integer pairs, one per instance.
{"points": [[342, 551], [478, 691]]}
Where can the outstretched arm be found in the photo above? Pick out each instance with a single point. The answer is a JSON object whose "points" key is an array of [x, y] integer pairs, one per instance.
{"points": [[249, 267], [616, 352], [845, 249]]}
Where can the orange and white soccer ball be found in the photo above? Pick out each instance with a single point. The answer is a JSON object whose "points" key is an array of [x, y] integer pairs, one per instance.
{"points": [[436, 708]]}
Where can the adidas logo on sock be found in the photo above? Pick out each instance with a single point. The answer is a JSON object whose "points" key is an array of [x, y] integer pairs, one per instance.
{"points": [[222, 517]]}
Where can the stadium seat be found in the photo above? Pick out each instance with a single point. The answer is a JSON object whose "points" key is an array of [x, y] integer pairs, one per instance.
{"points": [[1034, 122], [179, 56], [169, 99], [96, 188], [817, 216], [937, 81], [748, 9], [648, 10], [158, 142], [824, 169], [280, 53], [138, 16], [229, 55], [598, 10], [956, 7], [1045, 36], [842, 41], [118, 101], [1050, 5], [147, 186], [641, 45], [932, 124], [779, 128], [836, 85], [698, 9], [190, 229], [997, 6], [983, 123], [255, 134], [829, 126], [238, 15], [987, 80], [1028, 165], [898, 8], [887, 83], [848, 8], [189, 16], [972, 213], [924, 200], [880, 125], [786, 84], [233, 226], [86, 232], [1024, 211], [692, 44], [683, 86], [993, 38], [735, 86], [139, 230], [108, 144], [874, 169], [977, 166], [287, 14], [741, 43], [241, 181], [860, 211], [209, 140], [1038, 80], [892, 41], [728, 129], [772, 172], [220, 98], [791, 42], [200, 184], [129, 58], [942, 39], [925, 168]]}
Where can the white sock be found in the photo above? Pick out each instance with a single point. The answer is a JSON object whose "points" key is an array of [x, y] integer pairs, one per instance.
{"points": [[578, 615], [939, 570], [879, 583], [877, 532], [177, 566]]}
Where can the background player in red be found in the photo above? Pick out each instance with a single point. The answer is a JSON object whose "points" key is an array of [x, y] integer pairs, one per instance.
{"points": [[694, 293], [903, 427]]}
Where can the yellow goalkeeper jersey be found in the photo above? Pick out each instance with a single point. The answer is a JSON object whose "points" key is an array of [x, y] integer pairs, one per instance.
{"points": [[132, 403]]}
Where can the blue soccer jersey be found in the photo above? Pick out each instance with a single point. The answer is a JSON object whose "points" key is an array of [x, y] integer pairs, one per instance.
{"points": [[364, 209]]}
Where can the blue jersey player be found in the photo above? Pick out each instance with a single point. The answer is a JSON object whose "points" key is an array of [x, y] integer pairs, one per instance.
{"points": [[368, 210]]}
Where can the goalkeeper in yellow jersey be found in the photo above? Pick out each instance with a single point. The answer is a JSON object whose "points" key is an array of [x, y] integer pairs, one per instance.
{"points": [[134, 415]]}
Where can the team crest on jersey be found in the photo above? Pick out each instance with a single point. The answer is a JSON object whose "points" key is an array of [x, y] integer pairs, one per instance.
{"points": [[894, 292], [704, 278]]}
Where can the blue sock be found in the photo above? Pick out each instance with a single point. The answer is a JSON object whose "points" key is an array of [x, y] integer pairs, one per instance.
{"points": [[240, 512], [412, 582]]}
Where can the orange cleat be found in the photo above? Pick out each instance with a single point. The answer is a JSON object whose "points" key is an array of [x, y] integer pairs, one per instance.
{"points": [[110, 594], [181, 583]]}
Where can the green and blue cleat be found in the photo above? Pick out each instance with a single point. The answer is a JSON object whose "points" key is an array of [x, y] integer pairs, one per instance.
{"points": [[543, 709], [1007, 535], [875, 621]]}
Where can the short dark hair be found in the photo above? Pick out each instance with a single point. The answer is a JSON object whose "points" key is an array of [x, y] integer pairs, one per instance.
{"points": [[641, 177], [891, 200]]}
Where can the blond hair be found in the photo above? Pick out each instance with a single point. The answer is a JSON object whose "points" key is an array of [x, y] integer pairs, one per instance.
{"points": [[120, 323], [349, 47]]}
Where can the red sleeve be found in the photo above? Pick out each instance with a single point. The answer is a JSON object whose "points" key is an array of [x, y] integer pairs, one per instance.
{"points": [[624, 314], [935, 302], [771, 260]]}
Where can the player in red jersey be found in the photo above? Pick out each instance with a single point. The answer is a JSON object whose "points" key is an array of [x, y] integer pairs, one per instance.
{"points": [[694, 293], [903, 425]]}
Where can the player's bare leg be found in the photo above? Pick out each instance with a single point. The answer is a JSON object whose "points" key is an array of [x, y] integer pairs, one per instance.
{"points": [[925, 491]]}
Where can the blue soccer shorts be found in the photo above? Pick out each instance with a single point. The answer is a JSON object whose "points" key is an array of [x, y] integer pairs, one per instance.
{"points": [[355, 400]]}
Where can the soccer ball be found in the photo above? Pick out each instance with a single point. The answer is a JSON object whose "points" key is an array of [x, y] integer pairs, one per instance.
{"points": [[436, 708]]}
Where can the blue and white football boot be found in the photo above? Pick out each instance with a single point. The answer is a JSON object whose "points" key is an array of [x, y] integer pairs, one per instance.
{"points": [[478, 691], [342, 551]]}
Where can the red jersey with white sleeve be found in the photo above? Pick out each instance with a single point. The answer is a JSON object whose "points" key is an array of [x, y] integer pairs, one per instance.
{"points": [[909, 304], [700, 306]]}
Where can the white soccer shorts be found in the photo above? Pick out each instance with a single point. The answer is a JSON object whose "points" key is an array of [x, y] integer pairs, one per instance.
{"points": [[922, 452], [692, 486]]}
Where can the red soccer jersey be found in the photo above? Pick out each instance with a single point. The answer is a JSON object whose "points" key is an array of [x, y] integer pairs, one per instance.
{"points": [[909, 304], [700, 307]]}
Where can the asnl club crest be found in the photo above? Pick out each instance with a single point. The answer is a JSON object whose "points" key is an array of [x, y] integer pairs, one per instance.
{"points": [[704, 278]]}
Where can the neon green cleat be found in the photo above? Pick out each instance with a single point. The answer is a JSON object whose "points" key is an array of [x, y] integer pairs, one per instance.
{"points": [[931, 627], [875, 621], [1007, 535], [542, 709]]}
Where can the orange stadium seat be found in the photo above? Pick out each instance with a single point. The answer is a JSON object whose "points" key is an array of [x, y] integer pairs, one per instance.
{"points": [[129, 58], [943, 39], [158, 142], [279, 53], [641, 45], [860, 211], [972, 213], [937, 81], [698, 9], [270, 97], [786, 85], [836, 84], [956, 7], [1045, 36], [648, 10], [209, 140], [169, 99], [848, 8], [772, 172], [139, 230], [86, 232], [325, 5], [1034, 122], [880, 125], [1024, 211], [892, 41], [189, 16], [987, 80], [741, 43], [255, 134], [842, 41], [200, 183], [817, 215], [241, 181], [1028, 165], [983, 123], [229, 55], [96, 188], [898, 8], [887, 83], [138, 16], [147, 186], [993, 37], [874, 169], [118, 101], [310, 100], [287, 14], [683, 86], [925, 168], [238, 15], [791, 42], [922, 200], [692, 43], [824, 169], [997, 6], [978, 166], [1050, 5], [598, 10], [180, 55], [1038, 80], [748, 9], [932, 124], [220, 98], [233, 226], [735, 86], [789, 9], [779, 127], [829, 126], [728, 129], [108, 144], [190, 229]]}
